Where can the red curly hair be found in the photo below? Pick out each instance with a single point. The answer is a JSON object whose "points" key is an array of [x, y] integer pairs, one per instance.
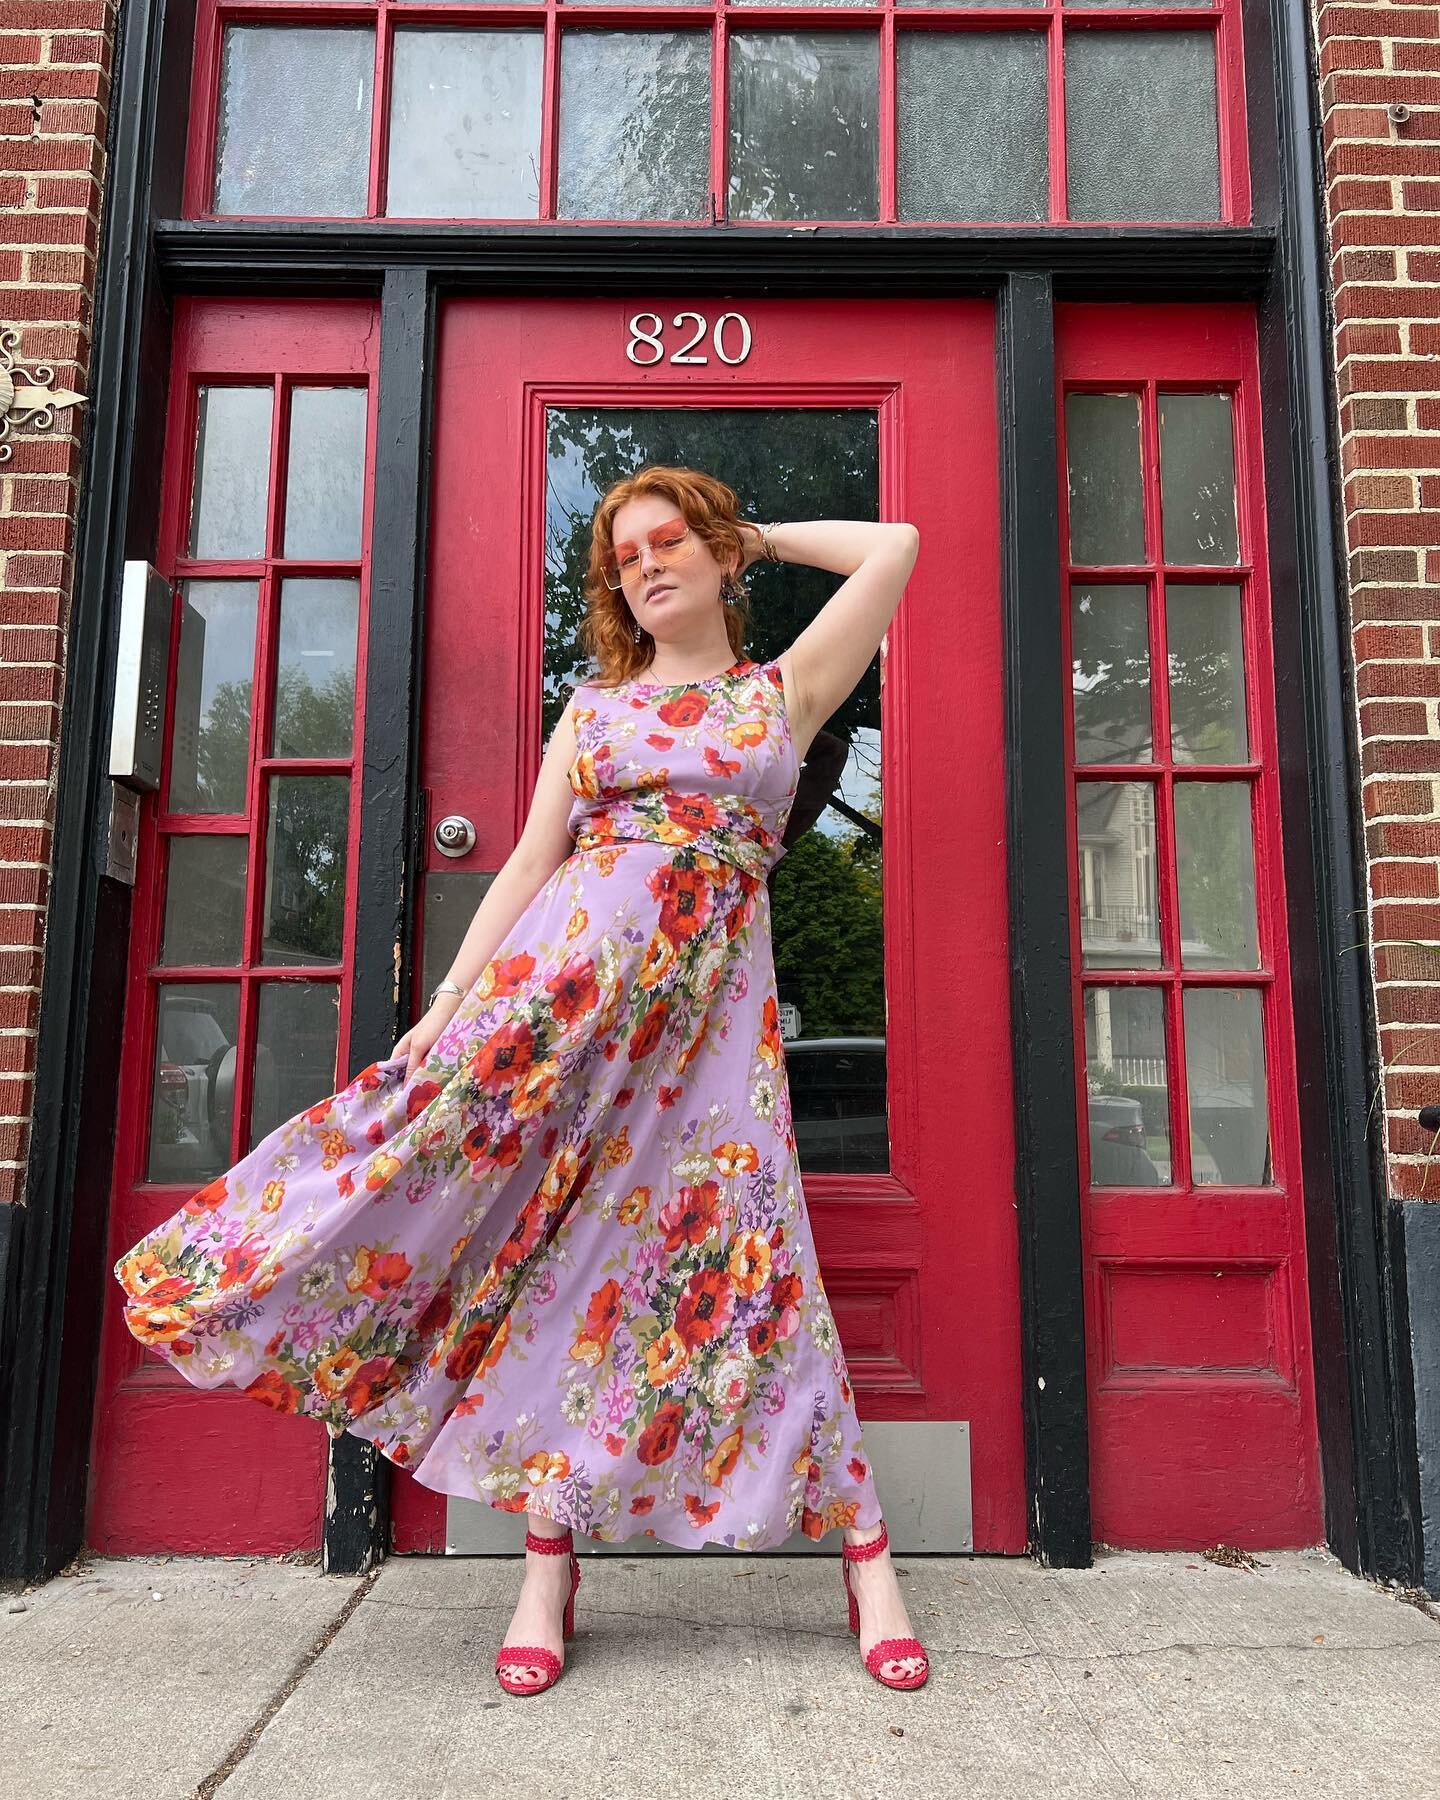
{"points": [[712, 511]]}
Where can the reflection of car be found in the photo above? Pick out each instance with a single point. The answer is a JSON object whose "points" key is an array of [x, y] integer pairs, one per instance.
{"points": [[194, 1048], [1118, 1157], [837, 1098]]}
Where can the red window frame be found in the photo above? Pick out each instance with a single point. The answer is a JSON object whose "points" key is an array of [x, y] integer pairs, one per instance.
{"points": [[887, 18], [1223, 1409]]}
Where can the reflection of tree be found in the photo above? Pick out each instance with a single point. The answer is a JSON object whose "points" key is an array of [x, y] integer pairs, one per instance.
{"points": [[1111, 674], [829, 936], [782, 463], [802, 130]]}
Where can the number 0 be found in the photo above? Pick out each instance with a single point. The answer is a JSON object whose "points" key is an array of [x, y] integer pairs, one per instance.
{"points": [[719, 336]]}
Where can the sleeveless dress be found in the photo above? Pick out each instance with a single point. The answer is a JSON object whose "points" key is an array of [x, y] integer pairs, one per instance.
{"points": [[567, 1268]]}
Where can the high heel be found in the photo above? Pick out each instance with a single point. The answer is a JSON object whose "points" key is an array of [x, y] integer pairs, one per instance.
{"points": [[888, 1649], [536, 1656]]}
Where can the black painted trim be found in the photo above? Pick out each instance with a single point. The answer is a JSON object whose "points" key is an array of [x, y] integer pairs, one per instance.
{"points": [[57, 1273], [1356, 1275], [1042, 998], [1096, 262], [391, 854]]}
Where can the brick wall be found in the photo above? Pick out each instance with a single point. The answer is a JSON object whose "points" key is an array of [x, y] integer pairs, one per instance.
{"points": [[54, 85], [1383, 192]]}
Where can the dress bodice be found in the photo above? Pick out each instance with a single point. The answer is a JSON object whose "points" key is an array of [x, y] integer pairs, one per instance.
{"points": [[709, 765]]}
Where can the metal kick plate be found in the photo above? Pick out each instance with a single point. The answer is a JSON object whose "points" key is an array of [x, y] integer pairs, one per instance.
{"points": [[922, 1473]]}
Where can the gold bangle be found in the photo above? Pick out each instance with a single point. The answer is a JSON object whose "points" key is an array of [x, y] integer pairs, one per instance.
{"points": [[767, 548]]}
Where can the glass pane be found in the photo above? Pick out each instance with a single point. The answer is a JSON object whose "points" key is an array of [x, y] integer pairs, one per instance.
{"points": [[988, 2], [214, 686], [1141, 141], [305, 868], [294, 1051], [825, 893], [193, 1082], [1215, 857], [232, 472], [1107, 508], [802, 125], [315, 669], [1110, 674], [1115, 839], [465, 125], [1127, 1087], [1225, 1064], [325, 484], [1207, 675], [294, 132], [205, 900], [635, 125], [1197, 479], [972, 116]]}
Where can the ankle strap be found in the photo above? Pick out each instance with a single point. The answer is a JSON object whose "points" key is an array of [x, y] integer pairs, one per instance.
{"points": [[550, 1546], [861, 1552]]}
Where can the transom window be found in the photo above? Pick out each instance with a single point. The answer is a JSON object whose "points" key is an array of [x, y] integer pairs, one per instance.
{"points": [[710, 111]]}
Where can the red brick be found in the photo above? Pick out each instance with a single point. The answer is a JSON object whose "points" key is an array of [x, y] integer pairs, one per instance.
{"points": [[19, 1011], [1372, 22], [1405, 962], [1366, 159], [1354, 194], [1364, 265], [1398, 679], [31, 800], [1409, 1005], [1344, 88], [51, 303], [52, 493], [1389, 799], [81, 47], [86, 118], [43, 533], [1397, 603], [1385, 565], [1412, 1089], [1378, 718], [1406, 53], [1390, 641], [1375, 412], [31, 681], [1405, 880], [1350, 53], [18, 48], [1360, 301], [1350, 124], [1383, 493], [1390, 452], [1395, 527], [1397, 756], [24, 723], [82, 191], [1414, 1181], [14, 1141], [35, 154], [1359, 337]]}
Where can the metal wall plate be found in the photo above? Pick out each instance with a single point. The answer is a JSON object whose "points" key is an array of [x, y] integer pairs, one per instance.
{"points": [[922, 1472]]}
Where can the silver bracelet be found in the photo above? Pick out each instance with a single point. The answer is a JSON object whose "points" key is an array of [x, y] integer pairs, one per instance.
{"points": [[446, 987]]}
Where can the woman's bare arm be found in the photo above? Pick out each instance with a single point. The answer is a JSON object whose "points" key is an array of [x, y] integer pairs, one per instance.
{"points": [[543, 845], [824, 664]]}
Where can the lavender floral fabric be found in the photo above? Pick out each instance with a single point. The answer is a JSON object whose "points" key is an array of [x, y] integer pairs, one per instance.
{"points": [[567, 1268]]}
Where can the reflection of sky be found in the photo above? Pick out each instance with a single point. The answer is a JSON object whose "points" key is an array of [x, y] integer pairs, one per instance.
{"points": [[859, 784], [227, 609]]}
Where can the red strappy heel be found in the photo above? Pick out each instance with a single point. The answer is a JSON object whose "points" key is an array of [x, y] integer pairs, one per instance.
{"points": [[888, 1648], [536, 1656]]}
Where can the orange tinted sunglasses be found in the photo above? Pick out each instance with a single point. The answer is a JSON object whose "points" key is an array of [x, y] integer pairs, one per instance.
{"points": [[669, 543]]}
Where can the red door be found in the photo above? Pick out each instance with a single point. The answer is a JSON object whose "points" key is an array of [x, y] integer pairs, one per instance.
{"points": [[890, 915], [1202, 1408], [242, 927]]}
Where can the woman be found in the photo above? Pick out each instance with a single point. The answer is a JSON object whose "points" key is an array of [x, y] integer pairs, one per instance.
{"points": [[554, 1253]]}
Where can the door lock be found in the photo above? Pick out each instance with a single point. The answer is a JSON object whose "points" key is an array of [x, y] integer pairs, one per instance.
{"points": [[454, 835]]}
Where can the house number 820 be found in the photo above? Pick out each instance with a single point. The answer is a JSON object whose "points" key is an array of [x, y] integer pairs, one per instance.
{"points": [[646, 346]]}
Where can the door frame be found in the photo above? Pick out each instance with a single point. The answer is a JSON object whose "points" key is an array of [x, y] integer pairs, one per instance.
{"points": [[52, 1279]]}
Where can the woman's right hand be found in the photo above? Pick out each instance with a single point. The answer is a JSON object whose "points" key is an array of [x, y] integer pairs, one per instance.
{"points": [[419, 1040]]}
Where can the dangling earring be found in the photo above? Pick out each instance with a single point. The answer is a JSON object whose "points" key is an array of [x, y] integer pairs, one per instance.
{"points": [[636, 623], [731, 593]]}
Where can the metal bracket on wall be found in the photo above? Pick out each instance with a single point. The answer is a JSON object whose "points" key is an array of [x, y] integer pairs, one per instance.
{"points": [[26, 395]]}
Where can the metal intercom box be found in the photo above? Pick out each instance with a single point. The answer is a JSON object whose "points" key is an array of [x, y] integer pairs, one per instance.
{"points": [[137, 732]]}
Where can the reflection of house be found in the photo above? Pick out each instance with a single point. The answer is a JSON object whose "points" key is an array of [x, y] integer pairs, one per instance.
{"points": [[1115, 828]]}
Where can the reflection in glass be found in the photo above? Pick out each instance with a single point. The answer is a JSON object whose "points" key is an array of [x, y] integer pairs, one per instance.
{"points": [[1102, 447], [1225, 1066], [1119, 908], [802, 125], [295, 1042], [825, 895], [315, 668], [204, 900], [1207, 674], [1197, 479], [214, 684], [325, 483], [1215, 860], [193, 1084], [305, 868], [294, 131], [1110, 674], [1141, 134], [1127, 1087], [973, 142], [635, 125], [465, 125], [232, 472]]}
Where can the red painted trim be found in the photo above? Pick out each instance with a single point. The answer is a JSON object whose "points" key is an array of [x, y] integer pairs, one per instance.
{"points": [[1260, 1457]]}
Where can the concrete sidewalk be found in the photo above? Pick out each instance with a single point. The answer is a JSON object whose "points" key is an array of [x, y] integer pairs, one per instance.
{"points": [[1155, 1675]]}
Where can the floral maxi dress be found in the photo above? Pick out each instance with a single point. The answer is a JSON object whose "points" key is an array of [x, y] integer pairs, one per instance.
{"points": [[567, 1267]]}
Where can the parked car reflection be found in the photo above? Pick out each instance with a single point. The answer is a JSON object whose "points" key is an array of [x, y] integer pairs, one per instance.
{"points": [[1118, 1153], [837, 1097]]}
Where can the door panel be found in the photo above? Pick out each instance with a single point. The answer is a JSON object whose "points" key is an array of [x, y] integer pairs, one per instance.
{"points": [[899, 1052]]}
